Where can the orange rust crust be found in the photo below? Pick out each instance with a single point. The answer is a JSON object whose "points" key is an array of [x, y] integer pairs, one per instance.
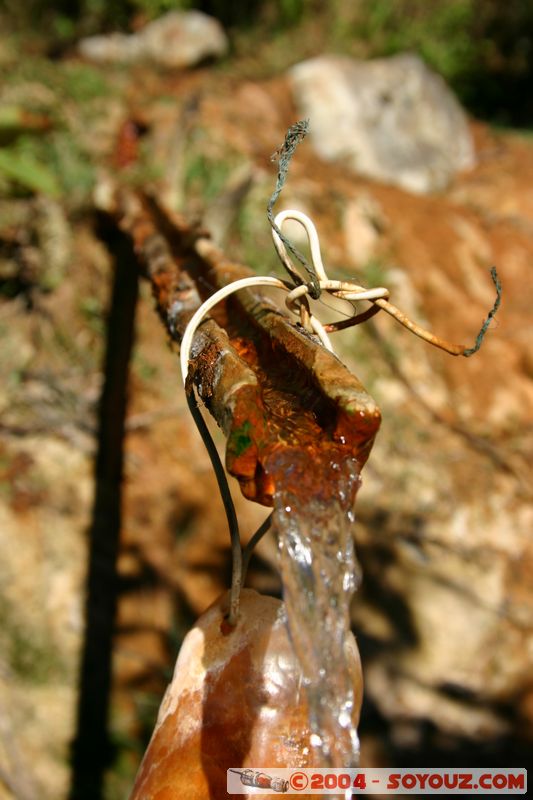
{"points": [[268, 384]]}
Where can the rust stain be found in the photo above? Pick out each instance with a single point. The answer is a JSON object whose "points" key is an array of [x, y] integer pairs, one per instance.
{"points": [[126, 151], [272, 389]]}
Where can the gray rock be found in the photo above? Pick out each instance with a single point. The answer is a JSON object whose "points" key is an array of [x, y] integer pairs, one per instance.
{"points": [[176, 40], [391, 119]]}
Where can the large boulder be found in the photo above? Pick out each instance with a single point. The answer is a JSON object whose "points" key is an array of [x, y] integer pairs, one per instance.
{"points": [[176, 40], [392, 119]]}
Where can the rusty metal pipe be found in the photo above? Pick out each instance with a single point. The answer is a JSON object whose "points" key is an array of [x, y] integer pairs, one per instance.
{"points": [[269, 384]]}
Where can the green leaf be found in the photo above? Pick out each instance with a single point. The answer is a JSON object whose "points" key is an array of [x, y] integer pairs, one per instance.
{"points": [[25, 170]]}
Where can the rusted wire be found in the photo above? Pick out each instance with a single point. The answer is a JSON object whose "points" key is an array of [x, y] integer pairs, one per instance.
{"points": [[495, 307], [283, 156], [319, 280], [346, 290]]}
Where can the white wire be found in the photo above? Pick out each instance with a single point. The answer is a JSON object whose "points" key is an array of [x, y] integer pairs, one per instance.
{"points": [[205, 308], [343, 289], [312, 237]]}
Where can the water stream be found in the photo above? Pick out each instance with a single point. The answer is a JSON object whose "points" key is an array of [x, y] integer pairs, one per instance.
{"points": [[313, 512]]}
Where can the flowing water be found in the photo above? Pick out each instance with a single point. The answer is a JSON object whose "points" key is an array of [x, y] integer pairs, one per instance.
{"points": [[319, 574]]}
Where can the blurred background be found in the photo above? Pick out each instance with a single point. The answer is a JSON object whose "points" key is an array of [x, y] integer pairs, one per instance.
{"points": [[421, 185]]}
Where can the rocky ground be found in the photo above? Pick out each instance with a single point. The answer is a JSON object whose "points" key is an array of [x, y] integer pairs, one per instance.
{"points": [[444, 617]]}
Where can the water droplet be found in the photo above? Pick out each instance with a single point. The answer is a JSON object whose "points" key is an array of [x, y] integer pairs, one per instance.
{"points": [[348, 581], [316, 740], [288, 509], [345, 719]]}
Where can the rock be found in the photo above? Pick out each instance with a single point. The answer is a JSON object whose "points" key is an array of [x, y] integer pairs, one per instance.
{"points": [[44, 510], [176, 40], [391, 119], [362, 224], [234, 701]]}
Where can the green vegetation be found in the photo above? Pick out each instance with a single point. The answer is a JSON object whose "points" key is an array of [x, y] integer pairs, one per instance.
{"points": [[440, 32], [42, 148], [27, 653], [375, 272], [20, 165], [205, 177], [82, 83], [253, 241], [143, 367], [54, 164], [481, 47], [93, 312]]}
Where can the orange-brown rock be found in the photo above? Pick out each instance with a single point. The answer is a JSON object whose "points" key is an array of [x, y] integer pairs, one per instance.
{"points": [[234, 701]]}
